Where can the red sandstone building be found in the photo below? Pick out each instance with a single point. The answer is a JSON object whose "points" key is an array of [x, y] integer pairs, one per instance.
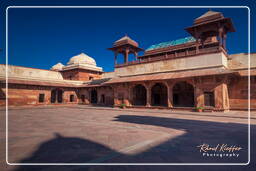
{"points": [[195, 71]]}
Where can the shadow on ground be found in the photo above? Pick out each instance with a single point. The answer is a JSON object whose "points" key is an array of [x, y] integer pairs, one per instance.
{"points": [[180, 149]]}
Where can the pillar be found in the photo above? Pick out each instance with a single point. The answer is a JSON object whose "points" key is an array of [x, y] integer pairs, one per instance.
{"points": [[198, 97], [126, 55], [148, 96], [170, 95], [136, 55], [197, 46], [221, 36], [116, 101], [116, 53], [197, 41], [224, 40], [221, 97]]}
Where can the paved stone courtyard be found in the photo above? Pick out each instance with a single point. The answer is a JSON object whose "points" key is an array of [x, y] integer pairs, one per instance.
{"points": [[82, 134]]}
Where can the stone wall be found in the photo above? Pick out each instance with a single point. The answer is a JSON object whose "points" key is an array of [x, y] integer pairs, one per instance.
{"points": [[229, 92], [105, 96], [238, 93], [185, 63], [108, 75], [19, 95], [240, 61], [80, 74], [25, 72]]}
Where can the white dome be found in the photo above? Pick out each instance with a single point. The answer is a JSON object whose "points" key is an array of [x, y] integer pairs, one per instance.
{"points": [[82, 59], [57, 67]]}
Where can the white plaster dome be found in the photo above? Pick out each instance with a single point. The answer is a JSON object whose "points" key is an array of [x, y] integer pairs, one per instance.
{"points": [[57, 67], [82, 59]]}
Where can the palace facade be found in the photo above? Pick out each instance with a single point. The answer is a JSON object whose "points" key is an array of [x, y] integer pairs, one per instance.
{"points": [[195, 71]]}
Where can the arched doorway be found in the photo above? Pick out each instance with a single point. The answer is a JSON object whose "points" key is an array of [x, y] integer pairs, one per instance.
{"points": [[159, 95], [94, 97], [139, 95], [183, 94], [56, 95]]}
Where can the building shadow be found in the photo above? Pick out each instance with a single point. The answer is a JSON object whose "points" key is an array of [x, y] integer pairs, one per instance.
{"points": [[62, 149], [183, 149], [180, 149]]}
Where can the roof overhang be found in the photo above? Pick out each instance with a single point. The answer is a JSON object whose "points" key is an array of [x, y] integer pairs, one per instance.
{"points": [[227, 23], [172, 75], [82, 66]]}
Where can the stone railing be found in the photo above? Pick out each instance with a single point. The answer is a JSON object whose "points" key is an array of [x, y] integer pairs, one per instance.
{"points": [[166, 56]]}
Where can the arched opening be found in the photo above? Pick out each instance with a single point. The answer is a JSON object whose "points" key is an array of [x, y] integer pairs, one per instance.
{"points": [[159, 95], [183, 94], [56, 95], [94, 97], [139, 95]]}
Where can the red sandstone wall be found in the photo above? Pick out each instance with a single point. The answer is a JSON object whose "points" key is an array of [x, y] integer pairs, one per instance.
{"points": [[19, 95], [238, 93], [122, 94], [29, 95], [79, 74], [108, 94]]}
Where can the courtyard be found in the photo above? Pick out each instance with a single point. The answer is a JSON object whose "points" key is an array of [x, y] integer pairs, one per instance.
{"points": [[84, 134]]}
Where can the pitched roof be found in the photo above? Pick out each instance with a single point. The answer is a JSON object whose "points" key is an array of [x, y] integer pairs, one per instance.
{"points": [[209, 16], [171, 43], [126, 40], [208, 13]]}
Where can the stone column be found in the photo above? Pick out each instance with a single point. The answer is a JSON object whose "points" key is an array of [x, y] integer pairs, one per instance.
{"points": [[197, 41], [197, 46], [116, 53], [148, 96], [126, 55], [224, 40], [136, 55], [98, 96], [221, 97], [116, 101], [199, 98], [226, 97], [127, 95], [221, 36], [170, 95]]}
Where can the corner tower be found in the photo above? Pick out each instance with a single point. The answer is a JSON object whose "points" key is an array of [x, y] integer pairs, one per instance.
{"points": [[125, 46], [209, 25]]}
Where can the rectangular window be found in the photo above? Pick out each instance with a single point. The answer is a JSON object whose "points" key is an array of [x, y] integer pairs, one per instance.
{"points": [[41, 98], [72, 98], [209, 99]]}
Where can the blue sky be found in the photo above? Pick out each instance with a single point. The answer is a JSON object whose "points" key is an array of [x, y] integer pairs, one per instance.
{"points": [[40, 38]]}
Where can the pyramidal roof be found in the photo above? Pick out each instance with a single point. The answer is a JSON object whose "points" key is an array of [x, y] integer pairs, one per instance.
{"points": [[124, 38], [209, 13]]}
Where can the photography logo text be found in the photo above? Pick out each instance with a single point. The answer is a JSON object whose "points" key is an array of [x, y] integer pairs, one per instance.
{"points": [[219, 150]]}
